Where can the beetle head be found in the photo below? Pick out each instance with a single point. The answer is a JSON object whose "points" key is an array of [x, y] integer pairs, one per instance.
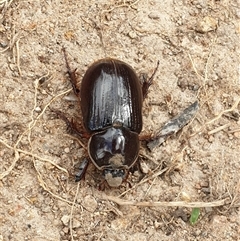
{"points": [[114, 177]]}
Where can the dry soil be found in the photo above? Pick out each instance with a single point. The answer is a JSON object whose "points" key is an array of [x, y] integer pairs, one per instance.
{"points": [[197, 44]]}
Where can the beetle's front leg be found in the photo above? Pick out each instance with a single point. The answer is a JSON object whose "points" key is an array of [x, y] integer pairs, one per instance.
{"points": [[71, 126], [71, 74], [147, 83], [82, 170]]}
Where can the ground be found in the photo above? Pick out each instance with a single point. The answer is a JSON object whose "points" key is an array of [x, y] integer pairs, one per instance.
{"points": [[197, 44]]}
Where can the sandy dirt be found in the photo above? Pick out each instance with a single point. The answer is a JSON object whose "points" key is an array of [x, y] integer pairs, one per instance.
{"points": [[197, 44]]}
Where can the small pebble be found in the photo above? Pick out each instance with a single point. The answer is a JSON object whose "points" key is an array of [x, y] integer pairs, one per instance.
{"points": [[76, 224], [154, 15], [67, 150], [90, 203], [132, 34], [237, 134], [144, 167], [38, 109], [206, 190], [208, 209], [65, 230], [185, 196], [204, 183], [207, 24], [65, 219]]}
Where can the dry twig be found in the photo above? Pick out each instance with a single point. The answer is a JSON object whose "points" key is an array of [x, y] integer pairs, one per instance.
{"points": [[220, 128], [3, 174], [30, 127], [71, 214], [120, 6], [156, 174], [122, 202], [44, 186], [235, 105]]}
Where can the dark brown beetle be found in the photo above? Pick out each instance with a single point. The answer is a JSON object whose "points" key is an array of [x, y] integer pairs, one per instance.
{"points": [[111, 98]]}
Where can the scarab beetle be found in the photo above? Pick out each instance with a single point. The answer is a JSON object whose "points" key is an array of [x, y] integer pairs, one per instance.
{"points": [[111, 98]]}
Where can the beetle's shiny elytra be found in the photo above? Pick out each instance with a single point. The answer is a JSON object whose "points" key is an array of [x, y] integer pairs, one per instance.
{"points": [[111, 98], [111, 102]]}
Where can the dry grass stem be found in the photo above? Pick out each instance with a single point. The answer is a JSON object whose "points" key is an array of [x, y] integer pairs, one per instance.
{"points": [[156, 174], [15, 160], [122, 202], [77, 140], [205, 77], [44, 186], [4, 50], [235, 201], [28, 130], [235, 105], [4, 5], [146, 193], [220, 128], [194, 67], [6, 2], [18, 57], [71, 213], [234, 131], [120, 6], [148, 158], [33, 122], [2, 175], [206, 66]]}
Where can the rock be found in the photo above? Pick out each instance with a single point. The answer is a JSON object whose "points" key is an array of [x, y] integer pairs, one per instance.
{"points": [[76, 223], [65, 219], [207, 24], [154, 15], [132, 34], [38, 109], [89, 203], [120, 224]]}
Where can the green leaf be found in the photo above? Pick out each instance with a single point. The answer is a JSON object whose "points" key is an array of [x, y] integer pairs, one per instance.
{"points": [[194, 215]]}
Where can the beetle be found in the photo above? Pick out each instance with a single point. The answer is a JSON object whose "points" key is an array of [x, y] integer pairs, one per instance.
{"points": [[111, 98]]}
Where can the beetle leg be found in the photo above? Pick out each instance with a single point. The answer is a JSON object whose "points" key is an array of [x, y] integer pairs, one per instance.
{"points": [[147, 83], [126, 179], [71, 74], [137, 167], [70, 124], [82, 170], [145, 137], [102, 186]]}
